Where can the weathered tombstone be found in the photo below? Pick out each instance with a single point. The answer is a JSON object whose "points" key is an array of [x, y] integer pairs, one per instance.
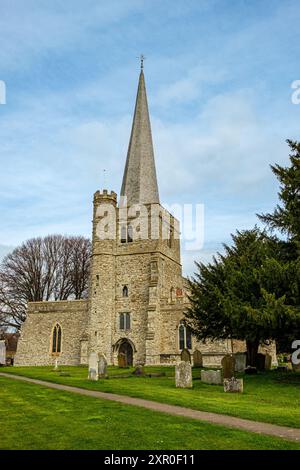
{"points": [[240, 362], [260, 361], [138, 371], [93, 366], [197, 359], [268, 362], [122, 360], [211, 377], [183, 375], [102, 366], [56, 364], [228, 363], [2, 353], [185, 355], [233, 385]]}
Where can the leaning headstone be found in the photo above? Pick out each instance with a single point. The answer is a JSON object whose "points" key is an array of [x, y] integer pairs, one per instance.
{"points": [[185, 355], [233, 385], [211, 377], [183, 375], [228, 362], [2, 353], [93, 366], [102, 366], [268, 362], [260, 361], [240, 362], [197, 359]]}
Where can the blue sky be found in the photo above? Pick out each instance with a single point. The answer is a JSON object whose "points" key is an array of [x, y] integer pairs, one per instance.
{"points": [[218, 75]]}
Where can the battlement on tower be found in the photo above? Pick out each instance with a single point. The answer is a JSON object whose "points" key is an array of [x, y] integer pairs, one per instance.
{"points": [[105, 196]]}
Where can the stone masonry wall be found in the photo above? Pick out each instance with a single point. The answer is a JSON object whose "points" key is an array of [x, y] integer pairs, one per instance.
{"points": [[34, 346]]}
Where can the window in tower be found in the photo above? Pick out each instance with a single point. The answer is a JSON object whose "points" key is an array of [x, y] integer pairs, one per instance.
{"points": [[125, 291], [123, 234], [170, 238], [124, 321], [130, 234]]}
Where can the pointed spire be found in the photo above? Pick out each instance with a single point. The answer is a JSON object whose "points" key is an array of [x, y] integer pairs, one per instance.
{"points": [[139, 180]]}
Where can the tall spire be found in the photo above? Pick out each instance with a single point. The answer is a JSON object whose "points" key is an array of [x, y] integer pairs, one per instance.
{"points": [[139, 180]]}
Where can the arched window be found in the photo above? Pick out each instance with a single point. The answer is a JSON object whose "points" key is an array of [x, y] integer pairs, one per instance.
{"points": [[125, 291], [124, 321], [185, 337], [56, 339]]}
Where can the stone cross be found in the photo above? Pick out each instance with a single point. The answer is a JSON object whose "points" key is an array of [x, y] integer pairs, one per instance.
{"points": [[183, 375], [93, 366], [102, 366]]}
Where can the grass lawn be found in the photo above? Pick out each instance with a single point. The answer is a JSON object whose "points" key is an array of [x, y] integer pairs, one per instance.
{"points": [[35, 417], [271, 396]]}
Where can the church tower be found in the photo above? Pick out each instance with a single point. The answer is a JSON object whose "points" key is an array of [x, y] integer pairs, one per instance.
{"points": [[136, 256]]}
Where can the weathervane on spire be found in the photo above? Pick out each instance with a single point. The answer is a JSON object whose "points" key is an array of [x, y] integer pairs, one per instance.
{"points": [[142, 58]]}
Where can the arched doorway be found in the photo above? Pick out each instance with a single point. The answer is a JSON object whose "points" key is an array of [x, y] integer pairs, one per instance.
{"points": [[125, 354]]}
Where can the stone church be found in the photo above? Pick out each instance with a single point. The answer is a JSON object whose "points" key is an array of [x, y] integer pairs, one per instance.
{"points": [[137, 296]]}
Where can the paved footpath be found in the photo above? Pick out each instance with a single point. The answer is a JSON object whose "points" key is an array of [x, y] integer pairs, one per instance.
{"points": [[292, 434]]}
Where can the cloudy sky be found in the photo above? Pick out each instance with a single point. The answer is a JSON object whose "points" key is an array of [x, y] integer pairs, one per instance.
{"points": [[218, 75]]}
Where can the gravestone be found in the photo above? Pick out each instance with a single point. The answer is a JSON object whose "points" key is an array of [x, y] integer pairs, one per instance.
{"points": [[185, 355], [102, 366], [228, 363], [138, 371], [2, 353], [56, 364], [240, 362], [260, 361], [93, 366], [211, 377], [268, 362], [233, 385], [197, 358], [183, 375]]}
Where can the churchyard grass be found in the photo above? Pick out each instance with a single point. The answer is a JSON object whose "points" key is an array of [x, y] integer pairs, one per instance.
{"points": [[271, 396], [36, 417]]}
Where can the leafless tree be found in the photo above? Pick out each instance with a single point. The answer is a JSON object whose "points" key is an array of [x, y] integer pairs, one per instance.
{"points": [[52, 268]]}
